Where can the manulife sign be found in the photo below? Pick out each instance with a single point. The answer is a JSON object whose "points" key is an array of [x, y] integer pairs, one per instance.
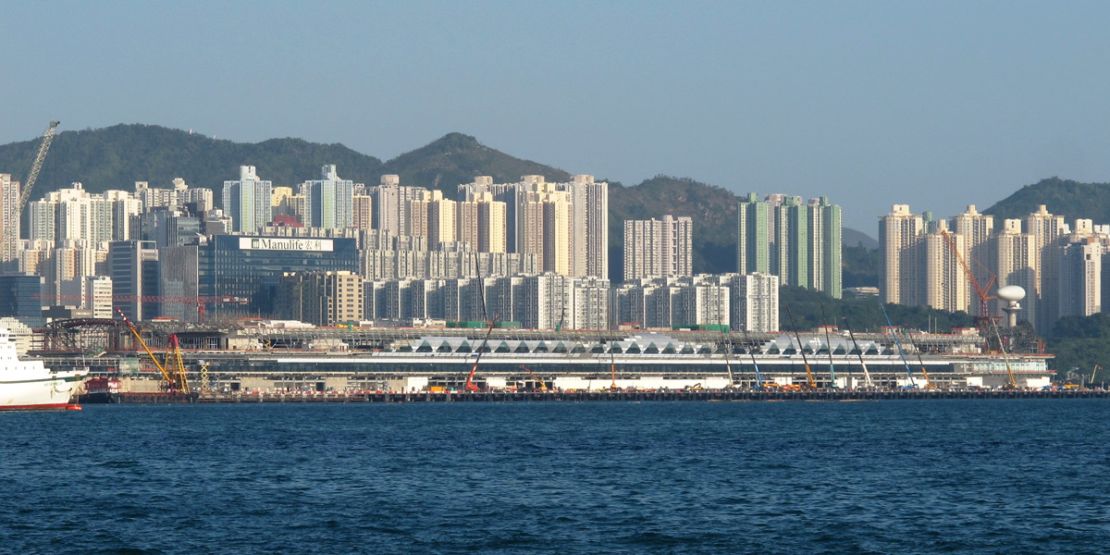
{"points": [[284, 244]]}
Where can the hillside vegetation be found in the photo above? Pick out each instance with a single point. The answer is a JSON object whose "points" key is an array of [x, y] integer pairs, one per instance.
{"points": [[117, 156], [1071, 199]]}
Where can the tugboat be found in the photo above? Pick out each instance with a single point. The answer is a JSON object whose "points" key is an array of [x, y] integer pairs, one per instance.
{"points": [[29, 385]]}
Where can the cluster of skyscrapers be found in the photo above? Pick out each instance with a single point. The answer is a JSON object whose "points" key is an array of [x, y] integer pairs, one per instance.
{"points": [[957, 265], [798, 241], [332, 251]]}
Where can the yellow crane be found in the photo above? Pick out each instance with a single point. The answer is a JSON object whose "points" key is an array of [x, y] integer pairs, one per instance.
{"points": [[811, 380], [177, 380]]}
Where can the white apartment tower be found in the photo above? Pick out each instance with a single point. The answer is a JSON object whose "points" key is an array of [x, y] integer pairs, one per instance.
{"points": [[329, 200], [1046, 230], [1016, 264], [755, 302], [658, 248], [900, 232], [1080, 278], [589, 226], [248, 201], [976, 230], [946, 286], [9, 219]]}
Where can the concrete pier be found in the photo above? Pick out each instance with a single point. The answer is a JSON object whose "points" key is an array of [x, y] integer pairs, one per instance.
{"points": [[584, 396]]}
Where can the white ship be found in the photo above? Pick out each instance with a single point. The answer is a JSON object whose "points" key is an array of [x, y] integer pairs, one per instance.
{"points": [[29, 385]]}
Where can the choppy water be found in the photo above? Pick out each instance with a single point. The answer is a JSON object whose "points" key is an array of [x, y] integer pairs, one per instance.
{"points": [[879, 477]]}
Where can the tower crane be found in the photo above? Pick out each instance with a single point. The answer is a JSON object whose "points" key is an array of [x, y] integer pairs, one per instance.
{"points": [[36, 166]]}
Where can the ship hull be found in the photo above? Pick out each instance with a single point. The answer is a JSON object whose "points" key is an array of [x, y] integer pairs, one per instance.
{"points": [[52, 391]]}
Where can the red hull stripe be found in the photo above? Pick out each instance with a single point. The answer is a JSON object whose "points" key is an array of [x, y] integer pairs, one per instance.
{"points": [[51, 406]]}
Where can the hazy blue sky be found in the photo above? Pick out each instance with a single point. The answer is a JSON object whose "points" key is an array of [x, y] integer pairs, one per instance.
{"points": [[936, 104]]}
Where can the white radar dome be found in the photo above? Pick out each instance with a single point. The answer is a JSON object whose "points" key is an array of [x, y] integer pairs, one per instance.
{"points": [[1011, 293]]}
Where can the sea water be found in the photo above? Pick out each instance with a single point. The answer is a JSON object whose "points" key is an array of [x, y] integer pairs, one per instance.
{"points": [[989, 476]]}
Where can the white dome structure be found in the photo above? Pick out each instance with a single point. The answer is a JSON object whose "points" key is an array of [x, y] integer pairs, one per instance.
{"points": [[1012, 293]]}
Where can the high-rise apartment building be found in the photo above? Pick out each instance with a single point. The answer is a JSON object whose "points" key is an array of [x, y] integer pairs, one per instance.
{"points": [[945, 283], [798, 241], [825, 246], [753, 247], [658, 248], [248, 201], [1046, 230], [9, 221], [362, 212], [789, 232], [481, 222], [976, 230], [1016, 264], [1079, 292], [589, 226], [329, 200], [543, 224], [755, 302], [441, 219], [900, 233], [73, 214]]}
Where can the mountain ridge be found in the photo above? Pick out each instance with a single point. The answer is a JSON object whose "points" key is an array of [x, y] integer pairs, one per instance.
{"points": [[115, 157]]}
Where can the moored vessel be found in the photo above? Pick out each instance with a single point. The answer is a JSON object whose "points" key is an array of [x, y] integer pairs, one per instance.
{"points": [[29, 385]]}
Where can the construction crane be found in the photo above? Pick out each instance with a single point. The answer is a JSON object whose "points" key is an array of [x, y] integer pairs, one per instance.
{"points": [[36, 166], [810, 379], [898, 344], [981, 291], [612, 372], [859, 354], [538, 380], [1094, 370], [755, 365], [920, 361], [1011, 379], [175, 380], [828, 345], [470, 385]]}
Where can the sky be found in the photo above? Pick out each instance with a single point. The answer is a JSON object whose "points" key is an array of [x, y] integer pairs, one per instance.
{"points": [[936, 104]]}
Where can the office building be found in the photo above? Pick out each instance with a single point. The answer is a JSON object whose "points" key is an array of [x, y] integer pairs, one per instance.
{"points": [[243, 271], [133, 268], [19, 298], [321, 298], [179, 283]]}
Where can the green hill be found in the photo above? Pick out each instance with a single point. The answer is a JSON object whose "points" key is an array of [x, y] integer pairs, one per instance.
{"points": [[117, 156], [456, 158], [1062, 196]]}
